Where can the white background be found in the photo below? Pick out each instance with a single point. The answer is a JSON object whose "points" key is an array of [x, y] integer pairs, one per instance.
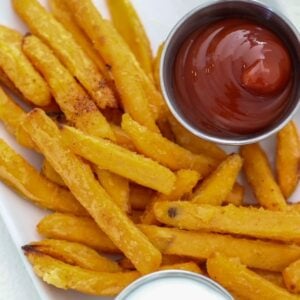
{"points": [[15, 284]]}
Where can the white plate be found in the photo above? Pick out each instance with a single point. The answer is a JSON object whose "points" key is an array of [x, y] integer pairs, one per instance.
{"points": [[21, 217]]}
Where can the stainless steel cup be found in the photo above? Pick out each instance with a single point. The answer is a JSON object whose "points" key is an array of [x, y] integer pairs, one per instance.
{"points": [[211, 12]]}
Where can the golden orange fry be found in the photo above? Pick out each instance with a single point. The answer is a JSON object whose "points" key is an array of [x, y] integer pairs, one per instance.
{"points": [[80, 179], [45, 26]]}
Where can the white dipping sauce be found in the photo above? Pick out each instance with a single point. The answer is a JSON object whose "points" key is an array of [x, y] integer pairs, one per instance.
{"points": [[175, 289]]}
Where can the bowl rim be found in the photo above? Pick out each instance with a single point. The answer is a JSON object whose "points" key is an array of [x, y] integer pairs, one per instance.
{"points": [[181, 119], [181, 274]]}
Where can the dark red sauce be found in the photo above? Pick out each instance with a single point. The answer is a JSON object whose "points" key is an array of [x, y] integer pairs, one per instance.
{"points": [[232, 77]]}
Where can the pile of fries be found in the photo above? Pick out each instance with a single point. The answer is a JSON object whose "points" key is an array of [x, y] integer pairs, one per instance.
{"points": [[121, 176]]}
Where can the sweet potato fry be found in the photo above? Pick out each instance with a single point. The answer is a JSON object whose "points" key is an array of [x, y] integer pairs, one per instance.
{"points": [[287, 159], [65, 276], [236, 196], [180, 264], [257, 254], [156, 66], [12, 116], [249, 221], [243, 282], [75, 103], [74, 254], [51, 174], [185, 182], [61, 12], [80, 179], [100, 283], [129, 25], [126, 264], [121, 161], [116, 186], [19, 174], [139, 196], [291, 277], [19, 70], [122, 138], [5, 81], [259, 175], [216, 188], [138, 94], [45, 26], [74, 229], [155, 146], [194, 143], [188, 266]]}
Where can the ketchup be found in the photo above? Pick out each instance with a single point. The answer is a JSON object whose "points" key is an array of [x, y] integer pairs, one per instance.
{"points": [[232, 77]]}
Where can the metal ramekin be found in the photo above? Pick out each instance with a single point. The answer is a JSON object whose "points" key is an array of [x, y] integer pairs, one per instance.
{"points": [[178, 274], [216, 10]]}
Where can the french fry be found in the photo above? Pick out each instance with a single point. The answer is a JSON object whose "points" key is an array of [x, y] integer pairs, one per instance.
{"points": [[76, 104], [201, 245], [259, 175], [51, 174], [65, 276], [139, 95], [274, 277], [79, 230], [294, 207], [257, 254], [61, 12], [180, 264], [287, 159], [116, 186], [12, 116], [16, 172], [122, 138], [216, 188], [74, 254], [291, 277], [80, 179], [249, 221], [139, 196], [156, 66], [130, 27], [236, 196], [155, 146], [185, 182], [126, 264], [195, 144], [19, 70], [188, 266], [46, 27], [5, 81], [243, 282], [121, 161]]}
